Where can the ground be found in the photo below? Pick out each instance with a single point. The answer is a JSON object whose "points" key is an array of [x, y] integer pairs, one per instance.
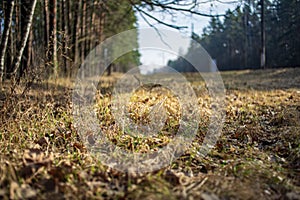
{"points": [[257, 156]]}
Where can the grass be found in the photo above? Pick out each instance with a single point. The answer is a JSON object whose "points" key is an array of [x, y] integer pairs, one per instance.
{"points": [[257, 156]]}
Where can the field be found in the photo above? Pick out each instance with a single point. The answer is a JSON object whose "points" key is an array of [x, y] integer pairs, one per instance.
{"points": [[256, 157]]}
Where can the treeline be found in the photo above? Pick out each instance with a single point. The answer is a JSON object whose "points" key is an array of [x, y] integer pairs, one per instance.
{"points": [[61, 33], [234, 41]]}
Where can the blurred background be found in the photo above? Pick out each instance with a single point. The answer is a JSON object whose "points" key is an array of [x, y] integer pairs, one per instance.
{"points": [[55, 36]]}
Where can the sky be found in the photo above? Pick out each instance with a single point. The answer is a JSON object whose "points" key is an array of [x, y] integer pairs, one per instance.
{"points": [[155, 58]]}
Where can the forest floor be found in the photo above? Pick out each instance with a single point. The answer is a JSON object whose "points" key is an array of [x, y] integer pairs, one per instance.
{"points": [[256, 157]]}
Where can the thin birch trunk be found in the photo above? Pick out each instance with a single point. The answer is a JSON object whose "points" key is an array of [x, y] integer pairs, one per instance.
{"points": [[24, 39], [26, 59], [4, 39]]}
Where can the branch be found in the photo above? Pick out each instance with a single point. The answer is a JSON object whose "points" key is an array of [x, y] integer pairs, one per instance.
{"points": [[187, 10], [156, 30], [228, 2], [157, 20]]}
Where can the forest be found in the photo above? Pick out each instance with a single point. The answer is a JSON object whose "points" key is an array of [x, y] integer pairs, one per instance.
{"points": [[64, 32], [58, 35], [234, 41], [82, 122]]}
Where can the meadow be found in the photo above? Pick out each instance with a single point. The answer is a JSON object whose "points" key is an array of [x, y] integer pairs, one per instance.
{"points": [[257, 156]]}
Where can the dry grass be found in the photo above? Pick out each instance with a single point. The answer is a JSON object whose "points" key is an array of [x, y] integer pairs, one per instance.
{"points": [[257, 157]]}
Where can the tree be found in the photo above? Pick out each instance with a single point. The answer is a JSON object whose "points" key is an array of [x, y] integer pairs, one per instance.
{"points": [[123, 14], [5, 36], [236, 41], [288, 22], [262, 35], [53, 35], [68, 30], [25, 38], [27, 55], [171, 7]]}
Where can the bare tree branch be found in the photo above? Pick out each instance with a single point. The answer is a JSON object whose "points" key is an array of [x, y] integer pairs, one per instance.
{"points": [[157, 31], [229, 2], [158, 20], [178, 7], [173, 6]]}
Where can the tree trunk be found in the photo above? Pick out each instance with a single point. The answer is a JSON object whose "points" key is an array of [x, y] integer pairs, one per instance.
{"points": [[101, 27], [24, 39], [25, 11], [87, 28], [53, 33], [46, 25], [76, 31], [68, 18], [10, 52], [263, 36], [18, 16], [91, 28], [83, 31], [64, 28], [4, 39], [27, 55]]}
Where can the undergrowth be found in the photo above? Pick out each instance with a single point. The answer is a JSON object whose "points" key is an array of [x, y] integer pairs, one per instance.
{"points": [[257, 156]]}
